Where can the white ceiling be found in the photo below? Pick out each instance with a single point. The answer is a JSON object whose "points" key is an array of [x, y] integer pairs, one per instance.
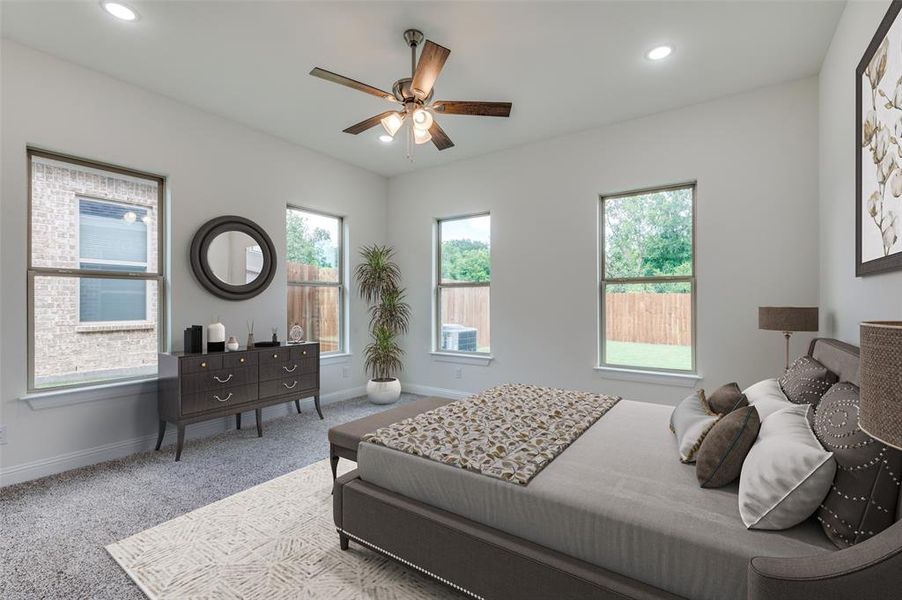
{"points": [[565, 66]]}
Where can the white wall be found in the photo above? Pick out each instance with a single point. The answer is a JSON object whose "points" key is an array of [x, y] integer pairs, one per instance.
{"points": [[754, 158], [213, 167], [845, 299]]}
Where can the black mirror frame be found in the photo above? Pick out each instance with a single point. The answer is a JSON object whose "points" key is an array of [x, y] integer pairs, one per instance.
{"points": [[201, 266]]}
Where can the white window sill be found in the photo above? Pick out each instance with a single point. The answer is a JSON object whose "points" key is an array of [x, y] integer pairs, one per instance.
{"points": [[334, 359], [118, 326], [644, 376], [90, 393], [463, 359]]}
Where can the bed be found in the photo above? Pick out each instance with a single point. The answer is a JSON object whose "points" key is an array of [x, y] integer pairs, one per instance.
{"points": [[615, 515]]}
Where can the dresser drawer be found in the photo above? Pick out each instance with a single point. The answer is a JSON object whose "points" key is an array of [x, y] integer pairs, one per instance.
{"points": [[273, 356], [217, 380], [270, 371], [288, 385], [305, 351], [233, 360], [216, 400], [200, 364]]}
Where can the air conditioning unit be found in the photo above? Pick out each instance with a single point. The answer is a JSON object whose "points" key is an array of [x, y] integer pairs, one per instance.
{"points": [[458, 338]]}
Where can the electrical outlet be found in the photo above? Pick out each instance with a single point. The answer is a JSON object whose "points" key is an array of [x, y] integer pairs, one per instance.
{"points": [[345, 371], [2, 435], [458, 373]]}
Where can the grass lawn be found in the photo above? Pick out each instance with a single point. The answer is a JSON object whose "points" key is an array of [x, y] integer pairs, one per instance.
{"points": [[661, 356]]}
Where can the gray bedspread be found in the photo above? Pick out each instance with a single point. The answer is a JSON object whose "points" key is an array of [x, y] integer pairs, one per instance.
{"points": [[618, 498]]}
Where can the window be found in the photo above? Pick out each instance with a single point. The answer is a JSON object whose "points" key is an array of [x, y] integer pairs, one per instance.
{"points": [[316, 277], [648, 279], [94, 272], [462, 290]]}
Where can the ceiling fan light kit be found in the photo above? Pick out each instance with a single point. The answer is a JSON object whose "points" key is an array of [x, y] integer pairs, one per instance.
{"points": [[415, 94]]}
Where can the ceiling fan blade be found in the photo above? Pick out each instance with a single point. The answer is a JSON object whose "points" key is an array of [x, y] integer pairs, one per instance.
{"points": [[351, 83], [439, 137], [479, 109], [432, 59], [368, 123]]}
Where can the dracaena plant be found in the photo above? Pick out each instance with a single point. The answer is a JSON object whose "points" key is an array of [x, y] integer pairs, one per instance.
{"points": [[379, 285]]}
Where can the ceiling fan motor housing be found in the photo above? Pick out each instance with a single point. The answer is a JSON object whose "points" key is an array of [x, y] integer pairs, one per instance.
{"points": [[404, 92]]}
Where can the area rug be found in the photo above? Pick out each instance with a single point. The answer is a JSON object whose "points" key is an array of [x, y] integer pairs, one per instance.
{"points": [[275, 540]]}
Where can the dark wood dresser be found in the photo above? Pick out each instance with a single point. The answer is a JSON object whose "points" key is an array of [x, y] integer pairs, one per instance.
{"points": [[198, 387]]}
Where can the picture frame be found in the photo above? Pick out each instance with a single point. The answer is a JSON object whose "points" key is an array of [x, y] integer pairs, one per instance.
{"points": [[878, 150]]}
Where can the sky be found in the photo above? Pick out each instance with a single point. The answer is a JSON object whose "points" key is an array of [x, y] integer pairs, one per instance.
{"points": [[473, 228]]}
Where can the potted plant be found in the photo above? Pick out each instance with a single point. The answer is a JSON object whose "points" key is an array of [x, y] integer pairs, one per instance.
{"points": [[379, 285]]}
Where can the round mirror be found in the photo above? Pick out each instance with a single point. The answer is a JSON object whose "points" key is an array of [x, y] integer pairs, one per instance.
{"points": [[233, 257]]}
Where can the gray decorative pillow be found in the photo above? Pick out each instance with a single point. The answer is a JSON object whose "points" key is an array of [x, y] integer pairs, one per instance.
{"points": [[806, 381], [727, 398], [690, 421], [862, 500], [787, 473], [719, 459]]}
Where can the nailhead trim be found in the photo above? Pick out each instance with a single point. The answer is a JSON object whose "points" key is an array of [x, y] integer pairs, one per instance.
{"points": [[409, 564]]}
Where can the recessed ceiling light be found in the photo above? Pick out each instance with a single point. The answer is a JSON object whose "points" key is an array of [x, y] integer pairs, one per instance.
{"points": [[385, 138], [659, 52], [120, 11]]}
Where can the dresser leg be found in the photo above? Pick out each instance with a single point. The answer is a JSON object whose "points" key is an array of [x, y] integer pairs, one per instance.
{"points": [[180, 443], [333, 462], [259, 413], [316, 403], [160, 434], [297, 404], [343, 541], [238, 421]]}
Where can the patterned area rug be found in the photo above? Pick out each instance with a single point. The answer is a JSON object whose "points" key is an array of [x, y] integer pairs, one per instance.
{"points": [[275, 540]]}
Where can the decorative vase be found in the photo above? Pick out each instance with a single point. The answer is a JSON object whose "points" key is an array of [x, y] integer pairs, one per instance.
{"points": [[250, 341], [215, 337], [232, 344], [383, 392]]}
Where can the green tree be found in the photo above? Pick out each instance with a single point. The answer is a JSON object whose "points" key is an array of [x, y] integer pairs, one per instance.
{"points": [[305, 246], [466, 260]]}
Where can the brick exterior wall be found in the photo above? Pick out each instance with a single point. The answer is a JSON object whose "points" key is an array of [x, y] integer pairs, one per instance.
{"points": [[66, 350]]}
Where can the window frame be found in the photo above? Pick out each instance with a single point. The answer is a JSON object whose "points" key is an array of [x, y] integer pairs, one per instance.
{"points": [[99, 261], [604, 281], [438, 285], [158, 276], [340, 284]]}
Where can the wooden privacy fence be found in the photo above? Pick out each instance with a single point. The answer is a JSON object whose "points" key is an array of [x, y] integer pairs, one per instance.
{"points": [[315, 308], [649, 318], [468, 306]]}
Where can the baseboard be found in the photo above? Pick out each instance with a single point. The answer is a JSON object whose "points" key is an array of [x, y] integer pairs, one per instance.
{"points": [[114, 450], [428, 390]]}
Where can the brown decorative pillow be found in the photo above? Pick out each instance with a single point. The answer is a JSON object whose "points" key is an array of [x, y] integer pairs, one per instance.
{"points": [[862, 501], [727, 398], [806, 381], [719, 460]]}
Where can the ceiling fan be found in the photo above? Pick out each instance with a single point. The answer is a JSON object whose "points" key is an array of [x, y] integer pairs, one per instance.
{"points": [[415, 93]]}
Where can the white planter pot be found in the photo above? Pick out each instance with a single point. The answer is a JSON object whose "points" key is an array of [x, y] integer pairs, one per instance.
{"points": [[383, 392]]}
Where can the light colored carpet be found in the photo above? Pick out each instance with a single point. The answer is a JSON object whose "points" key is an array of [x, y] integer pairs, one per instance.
{"points": [[275, 540], [53, 530]]}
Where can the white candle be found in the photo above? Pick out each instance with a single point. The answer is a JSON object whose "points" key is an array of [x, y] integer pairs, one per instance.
{"points": [[215, 333]]}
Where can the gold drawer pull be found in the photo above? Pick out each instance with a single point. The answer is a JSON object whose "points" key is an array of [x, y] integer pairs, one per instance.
{"points": [[290, 387], [216, 377], [291, 370], [223, 399], [203, 365], [240, 360], [304, 353], [275, 356]]}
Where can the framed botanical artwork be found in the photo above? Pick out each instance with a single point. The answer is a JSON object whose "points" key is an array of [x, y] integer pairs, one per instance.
{"points": [[878, 150]]}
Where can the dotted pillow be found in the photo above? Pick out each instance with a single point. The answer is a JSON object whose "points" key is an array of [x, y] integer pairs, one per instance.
{"points": [[862, 500], [806, 381]]}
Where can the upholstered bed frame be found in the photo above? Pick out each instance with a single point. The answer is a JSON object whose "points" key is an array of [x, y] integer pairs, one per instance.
{"points": [[487, 563]]}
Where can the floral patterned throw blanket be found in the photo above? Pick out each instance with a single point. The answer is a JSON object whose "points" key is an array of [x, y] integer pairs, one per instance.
{"points": [[510, 432]]}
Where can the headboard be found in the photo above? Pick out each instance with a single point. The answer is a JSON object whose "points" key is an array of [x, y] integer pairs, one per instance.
{"points": [[839, 357]]}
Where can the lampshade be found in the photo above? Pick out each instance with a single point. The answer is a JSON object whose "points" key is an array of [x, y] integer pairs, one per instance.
{"points": [[788, 318], [421, 136], [880, 398], [422, 118], [392, 123]]}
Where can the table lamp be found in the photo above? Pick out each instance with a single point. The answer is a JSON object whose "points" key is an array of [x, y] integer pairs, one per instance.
{"points": [[880, 395], [788, 319]]}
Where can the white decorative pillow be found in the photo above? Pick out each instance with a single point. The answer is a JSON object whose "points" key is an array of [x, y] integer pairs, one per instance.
{"points": [[691, 421], [787, 473], [767, 397]]}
